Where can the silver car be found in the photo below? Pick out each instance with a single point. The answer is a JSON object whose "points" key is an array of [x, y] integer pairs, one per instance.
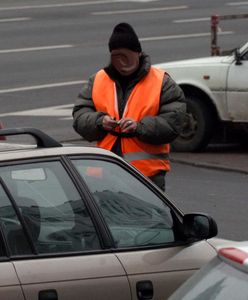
{"points": [[224, 277], [81, 223]]}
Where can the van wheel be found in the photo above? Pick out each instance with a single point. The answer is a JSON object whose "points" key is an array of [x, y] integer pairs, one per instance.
{"points": [[198, 127]]}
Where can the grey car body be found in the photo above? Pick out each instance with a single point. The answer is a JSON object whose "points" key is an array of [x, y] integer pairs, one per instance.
{"points": [[224, 277]]}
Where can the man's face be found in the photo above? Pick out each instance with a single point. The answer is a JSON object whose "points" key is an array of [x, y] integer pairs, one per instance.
{"points": [[125, 61]]}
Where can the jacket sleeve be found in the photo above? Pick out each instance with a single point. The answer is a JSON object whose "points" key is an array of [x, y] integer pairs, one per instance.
{"points": [[167, 125], [86, 120]]}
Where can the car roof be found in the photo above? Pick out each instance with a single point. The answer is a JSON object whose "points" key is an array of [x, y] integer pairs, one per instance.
{"points": [[45, 146], [22, 153]]}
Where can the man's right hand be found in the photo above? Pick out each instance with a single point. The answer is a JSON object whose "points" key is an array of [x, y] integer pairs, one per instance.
{"points": [[109, 123]]}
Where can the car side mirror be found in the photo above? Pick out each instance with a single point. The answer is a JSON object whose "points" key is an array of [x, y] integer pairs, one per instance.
{"points": [[197, 226], [237, 57]]}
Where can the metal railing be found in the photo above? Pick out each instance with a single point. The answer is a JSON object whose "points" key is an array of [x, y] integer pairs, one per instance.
{"points": [[215, 20]]}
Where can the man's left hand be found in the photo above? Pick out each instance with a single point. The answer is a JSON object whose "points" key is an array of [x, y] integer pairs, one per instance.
{"points": [[128, 125]]}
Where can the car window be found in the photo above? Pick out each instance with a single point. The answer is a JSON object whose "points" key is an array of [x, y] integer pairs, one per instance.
{"points": [[51, 207], [135, 215], [11, 226], [245, 56]]}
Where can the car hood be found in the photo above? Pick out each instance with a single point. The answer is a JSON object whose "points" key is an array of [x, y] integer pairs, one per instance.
{"points": [[212, 60], [218, 243]]}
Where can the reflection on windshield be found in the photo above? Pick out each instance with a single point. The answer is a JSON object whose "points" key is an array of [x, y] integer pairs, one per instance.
{"points": [[135, 215]]}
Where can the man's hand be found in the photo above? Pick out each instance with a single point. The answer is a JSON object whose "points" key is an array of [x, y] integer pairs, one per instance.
{"points": [[109, 123], [128, 125]]}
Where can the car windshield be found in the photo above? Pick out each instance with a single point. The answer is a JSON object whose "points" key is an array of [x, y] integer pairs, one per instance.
{"points": [[244, 48], [135, 215]]}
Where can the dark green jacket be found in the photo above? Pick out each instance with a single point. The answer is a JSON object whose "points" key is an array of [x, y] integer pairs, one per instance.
{"points": [[161, 129]]}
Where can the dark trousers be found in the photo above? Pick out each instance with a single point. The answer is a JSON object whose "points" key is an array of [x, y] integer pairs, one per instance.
{"points": [[159, 179]]}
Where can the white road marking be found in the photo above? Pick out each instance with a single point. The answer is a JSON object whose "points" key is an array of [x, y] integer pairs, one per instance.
{"points": [[143, 1], [14, 20], [146, 39], [191, 20], [181, 36], [142, 10], [66, 4], [237, 3], [61, 111], [38, 87], [35, 48], [51, 85]]}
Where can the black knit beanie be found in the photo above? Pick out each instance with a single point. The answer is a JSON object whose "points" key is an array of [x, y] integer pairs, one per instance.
{"points": [[124, 36]]}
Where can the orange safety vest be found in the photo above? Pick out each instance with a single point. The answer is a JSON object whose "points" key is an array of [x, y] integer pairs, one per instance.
{"points": [[143, 101]]}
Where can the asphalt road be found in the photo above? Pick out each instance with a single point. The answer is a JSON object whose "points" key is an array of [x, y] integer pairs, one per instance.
{"points": [[49, 46], [221, 194]]}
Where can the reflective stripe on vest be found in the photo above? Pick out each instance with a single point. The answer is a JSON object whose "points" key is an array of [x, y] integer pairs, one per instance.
{"points": [[143, 101], [131, 156]]}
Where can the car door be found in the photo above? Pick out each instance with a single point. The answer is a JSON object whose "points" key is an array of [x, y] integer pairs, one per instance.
{"points": [[10, 288], [237, 90], [56, 248], [145, 229]]}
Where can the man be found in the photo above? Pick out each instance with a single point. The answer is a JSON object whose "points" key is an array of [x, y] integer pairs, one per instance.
{"points": [[131, 108]]}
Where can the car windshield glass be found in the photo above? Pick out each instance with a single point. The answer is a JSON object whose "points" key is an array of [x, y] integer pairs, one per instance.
{"points": [[135, 215], [245, 56], [51, 208]]}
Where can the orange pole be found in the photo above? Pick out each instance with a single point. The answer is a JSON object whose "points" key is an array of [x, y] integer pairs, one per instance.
{"points": [[2, 137], [215, 50]]}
